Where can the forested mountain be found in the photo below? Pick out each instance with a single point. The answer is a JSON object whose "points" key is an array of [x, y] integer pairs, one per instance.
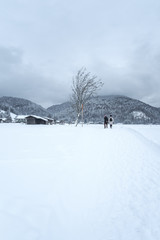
{"points": [[123, 109], [20, 106]]}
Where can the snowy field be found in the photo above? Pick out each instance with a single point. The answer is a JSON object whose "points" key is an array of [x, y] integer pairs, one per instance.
{"points": [[90, 183]]}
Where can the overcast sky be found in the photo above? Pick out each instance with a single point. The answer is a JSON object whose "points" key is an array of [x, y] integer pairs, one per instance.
{"points": [[43, 43]]}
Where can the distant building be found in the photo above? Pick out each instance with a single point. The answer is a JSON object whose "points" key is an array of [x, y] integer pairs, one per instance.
{"points": [[20, 119], [50, 120], [32, 119]]}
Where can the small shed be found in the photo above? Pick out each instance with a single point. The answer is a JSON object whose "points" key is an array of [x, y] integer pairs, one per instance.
{"points": [[32, 119], [50, 120], [20, 119]]}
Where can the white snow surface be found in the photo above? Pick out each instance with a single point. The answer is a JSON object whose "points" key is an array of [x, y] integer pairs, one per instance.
{"points": [[79, 183]]}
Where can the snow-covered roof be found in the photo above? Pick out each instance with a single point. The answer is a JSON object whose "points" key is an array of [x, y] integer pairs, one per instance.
{"points": [[38, 117], [21, 117], [50, 119]]}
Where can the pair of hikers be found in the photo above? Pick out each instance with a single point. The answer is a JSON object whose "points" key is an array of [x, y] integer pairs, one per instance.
{"points": [[109, 121]]}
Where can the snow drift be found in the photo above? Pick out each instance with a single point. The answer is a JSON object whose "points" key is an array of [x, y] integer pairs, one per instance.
{"points": [[67, 183]]}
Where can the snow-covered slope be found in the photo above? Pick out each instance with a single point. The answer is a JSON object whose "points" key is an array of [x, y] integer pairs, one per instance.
{"points": [[124, 110], [67, 183], [21, 106]]}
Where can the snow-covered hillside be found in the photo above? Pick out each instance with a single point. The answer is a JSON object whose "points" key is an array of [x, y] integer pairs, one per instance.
{"points": [[20, 106], [90, 183], [124, 109]]}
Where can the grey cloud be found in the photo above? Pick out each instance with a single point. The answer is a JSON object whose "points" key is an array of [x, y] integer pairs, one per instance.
{"points": [[117, 40], [138, 77], [23, 80]]}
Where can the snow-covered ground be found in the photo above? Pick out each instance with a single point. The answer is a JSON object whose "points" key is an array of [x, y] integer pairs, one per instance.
{"points": [[90, 183]]}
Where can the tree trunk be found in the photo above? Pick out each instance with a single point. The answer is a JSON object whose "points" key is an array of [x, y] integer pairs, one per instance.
{"points": [[77, 120]]}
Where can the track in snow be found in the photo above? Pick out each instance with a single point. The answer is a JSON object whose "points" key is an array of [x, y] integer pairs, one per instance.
{"points": [[62, 182]]}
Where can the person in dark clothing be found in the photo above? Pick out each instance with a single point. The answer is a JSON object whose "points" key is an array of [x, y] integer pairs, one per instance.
{"points": [[111, 121], [105, 121]]}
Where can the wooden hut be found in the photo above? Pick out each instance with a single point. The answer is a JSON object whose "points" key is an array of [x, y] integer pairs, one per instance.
{"points": [[50, 120], [32, 119], [20, 119]]}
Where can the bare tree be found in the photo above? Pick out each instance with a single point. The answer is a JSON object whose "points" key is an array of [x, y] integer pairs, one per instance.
{"points": [[84, 86]]}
